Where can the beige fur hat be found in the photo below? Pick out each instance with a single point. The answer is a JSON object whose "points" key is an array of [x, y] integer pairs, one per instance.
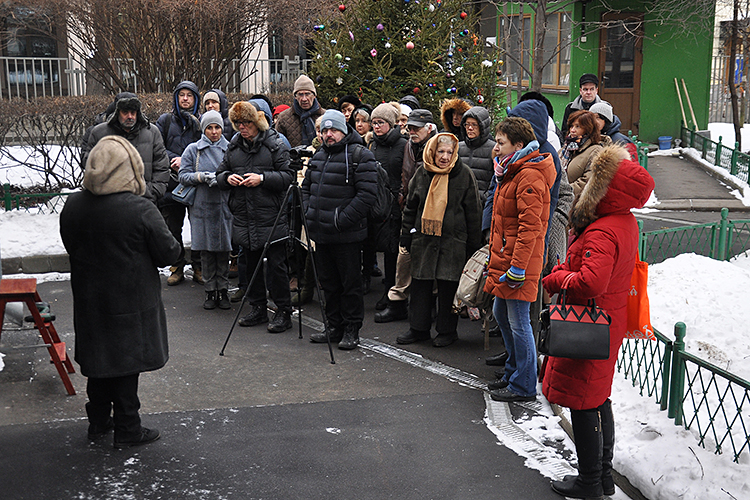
{"points": [[243, 111], [114, 166]]}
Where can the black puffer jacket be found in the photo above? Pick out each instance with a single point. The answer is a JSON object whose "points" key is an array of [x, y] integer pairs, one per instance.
{"points": [[389, 151], [477, 153], [255, 208], [336, 196]]}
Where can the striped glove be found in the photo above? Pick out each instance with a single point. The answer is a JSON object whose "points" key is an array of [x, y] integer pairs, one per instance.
{"points": [[515, 277]]}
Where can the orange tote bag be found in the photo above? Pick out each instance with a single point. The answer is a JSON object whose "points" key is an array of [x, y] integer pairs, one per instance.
{"points": [[639, 314]]}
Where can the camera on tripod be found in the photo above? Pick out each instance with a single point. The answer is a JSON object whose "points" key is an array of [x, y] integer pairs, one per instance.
{"points": [[297, 156]]}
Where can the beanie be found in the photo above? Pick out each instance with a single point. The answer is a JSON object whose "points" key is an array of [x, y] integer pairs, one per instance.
{"points": [[385, 112], [304, 83], [211, 96], [603, 108], [210, 117], [333, 119], [114, 166], [405, 110]]}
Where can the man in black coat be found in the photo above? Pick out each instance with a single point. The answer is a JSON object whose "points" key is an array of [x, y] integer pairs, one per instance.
{"points": [[180, 128], [119, 319], [337, 194]]}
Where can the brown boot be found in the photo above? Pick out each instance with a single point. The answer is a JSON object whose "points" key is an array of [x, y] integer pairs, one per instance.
{"points": [[177, 276]]}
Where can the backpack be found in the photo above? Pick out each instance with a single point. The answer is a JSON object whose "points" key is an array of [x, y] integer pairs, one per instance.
{"points": [[380, 210], [470, 291]]}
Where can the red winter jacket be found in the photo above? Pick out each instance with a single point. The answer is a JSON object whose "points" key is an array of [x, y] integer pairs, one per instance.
{"points": [[601, 257]]}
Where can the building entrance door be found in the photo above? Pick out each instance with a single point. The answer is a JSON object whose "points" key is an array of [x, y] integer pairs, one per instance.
{"points": [[620, 58]]}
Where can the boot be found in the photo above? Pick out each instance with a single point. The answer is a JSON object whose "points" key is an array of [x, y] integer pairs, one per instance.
{"points": [[211, 300], [444, 339], [395, 311], [350, 339], [224, 299], [258, 315], [336, 334], [237, 295], [233, 270], [497, 359], [177, 276], [198, 275], [282, 321], [383, 302], [587, 432], [144, 436], [412, 336], [608, 447]]}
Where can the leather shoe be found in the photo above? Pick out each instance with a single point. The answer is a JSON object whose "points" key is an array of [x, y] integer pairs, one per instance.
{"points": [[350, 339], [500, 373], [282, 321], [500, 383], [412, 336], [383, 302], [495, 332], [444, 339], [320, 337], [258, 315], [99, 431], [144, 436], [497, 359], [509, 396], [394, 311]]}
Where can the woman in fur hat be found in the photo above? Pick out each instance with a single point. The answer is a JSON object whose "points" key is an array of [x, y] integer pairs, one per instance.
{"points": [[210, 218], [256, 171], [599, 264]]}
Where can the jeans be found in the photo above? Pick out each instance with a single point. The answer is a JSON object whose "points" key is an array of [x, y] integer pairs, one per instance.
{"points": [[515, 324]]}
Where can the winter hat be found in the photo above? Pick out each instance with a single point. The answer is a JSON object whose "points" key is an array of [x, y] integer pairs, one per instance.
{"points": [[405, 110], [351, 99], [304, 83], [278, 109], [128, 102], [114, 166], [385, 112], [588, 78], [604, 109], [211, 96], [420, 118], [410, 101], [333, 119], [243, 111], [210, 117]]}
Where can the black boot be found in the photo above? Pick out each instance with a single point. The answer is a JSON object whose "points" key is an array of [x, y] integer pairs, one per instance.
{"points": [[497, 359], [281, 322], [383, 302], [336, 334], [224, 299], [350, 339], [211, 300], [413, 336], [608, 447], [258, 315], [587, 433], [396, 310]]}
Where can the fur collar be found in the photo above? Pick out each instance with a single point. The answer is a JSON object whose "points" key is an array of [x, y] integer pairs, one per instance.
{"points": [[603, 170]]}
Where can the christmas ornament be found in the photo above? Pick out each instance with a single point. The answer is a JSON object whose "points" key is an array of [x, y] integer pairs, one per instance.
{"points": [[319, 27], [342, 7], [380, 27], [463, 15], [334, 42], [452, 90], [431, 8], [499, 72], [351, 35], [416, 90], [380, 78], [374, 52], [340, 80], [465, 32], [480, 99], [409, 45], [387, 45], [319, 79], [338, 57]]}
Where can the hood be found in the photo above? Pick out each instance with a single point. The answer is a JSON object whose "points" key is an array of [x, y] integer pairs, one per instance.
{"points": [[223, 103], [617, 184], [410, 101], [614, 126], [482, 116], [196, 105], [449, 107], [114, 166], [262, 105], [534, 112], [537, 161]]}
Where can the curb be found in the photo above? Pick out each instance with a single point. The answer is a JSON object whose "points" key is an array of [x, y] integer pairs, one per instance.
{"points": [[36, 264]]}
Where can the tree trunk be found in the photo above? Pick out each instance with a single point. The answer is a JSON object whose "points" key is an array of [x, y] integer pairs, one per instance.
{"points": [[540, 28], [732, 87]]}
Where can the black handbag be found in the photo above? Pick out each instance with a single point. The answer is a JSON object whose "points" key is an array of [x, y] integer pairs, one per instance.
{"points": [[574, 331], [186, 194]]}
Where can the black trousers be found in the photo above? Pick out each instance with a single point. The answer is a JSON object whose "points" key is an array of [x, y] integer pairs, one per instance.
{"points": [[174, 215], [116, 397], [421, 301], [340, 272], [276, 276]]}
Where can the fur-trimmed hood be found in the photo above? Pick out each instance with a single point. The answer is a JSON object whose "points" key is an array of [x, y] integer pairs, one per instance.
{"points": [[449, 107], [243, 111], [617, 184]]}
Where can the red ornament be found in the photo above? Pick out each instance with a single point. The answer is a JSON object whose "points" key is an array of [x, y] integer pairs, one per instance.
{"points": [[409, 45], [416, 90], [463, 15], [342, 7]]}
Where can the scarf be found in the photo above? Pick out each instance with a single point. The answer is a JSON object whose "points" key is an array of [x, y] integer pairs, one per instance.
{"points": [[305, 119], [437, 194], [570, 149], [501, 164]]}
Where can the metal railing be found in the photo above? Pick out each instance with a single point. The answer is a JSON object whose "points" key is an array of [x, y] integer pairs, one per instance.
{"points": [[32, 202], [733, 161]]}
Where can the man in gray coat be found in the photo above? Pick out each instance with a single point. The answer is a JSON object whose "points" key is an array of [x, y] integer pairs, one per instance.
{"points": [[119, 319]]}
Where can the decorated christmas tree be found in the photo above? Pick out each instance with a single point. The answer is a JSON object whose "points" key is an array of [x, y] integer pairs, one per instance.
{"points": [[382, 50]]}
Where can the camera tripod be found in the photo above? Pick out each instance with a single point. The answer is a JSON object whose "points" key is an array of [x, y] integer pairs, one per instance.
{"points": [[293, 200]]}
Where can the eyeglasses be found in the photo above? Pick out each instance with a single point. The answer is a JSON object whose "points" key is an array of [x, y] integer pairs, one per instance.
{"points": [[305, 95], [471, 125], [414, 128], [243, 123], [378, 124]]}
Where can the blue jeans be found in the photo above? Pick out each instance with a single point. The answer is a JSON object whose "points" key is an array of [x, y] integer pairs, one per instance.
{"points": [[512, 317]]}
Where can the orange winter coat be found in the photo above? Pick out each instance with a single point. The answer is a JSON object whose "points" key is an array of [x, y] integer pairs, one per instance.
{"points": [[520, 213]]}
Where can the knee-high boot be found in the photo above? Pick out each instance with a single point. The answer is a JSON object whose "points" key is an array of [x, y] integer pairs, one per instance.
{"points": [[608, 447], [587, 432]]}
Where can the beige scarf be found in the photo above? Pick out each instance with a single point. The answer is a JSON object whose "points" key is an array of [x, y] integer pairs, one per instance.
{"points": [[437, 196]]}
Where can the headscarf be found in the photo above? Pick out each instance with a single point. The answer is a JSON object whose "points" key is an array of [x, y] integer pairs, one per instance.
{"points": [[114, 166], [570, 149], [437, 195]]}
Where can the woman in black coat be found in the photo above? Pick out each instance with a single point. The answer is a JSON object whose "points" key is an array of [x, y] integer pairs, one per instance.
{"points": [[256, 169], [120, 322]]}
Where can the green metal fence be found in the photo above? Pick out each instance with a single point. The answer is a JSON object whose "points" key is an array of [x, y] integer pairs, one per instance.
{"points": [[735, 162], [698, 395], [31, 202]]}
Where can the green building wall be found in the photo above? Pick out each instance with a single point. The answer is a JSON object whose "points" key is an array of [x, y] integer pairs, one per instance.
{"points": [[668, 53]]}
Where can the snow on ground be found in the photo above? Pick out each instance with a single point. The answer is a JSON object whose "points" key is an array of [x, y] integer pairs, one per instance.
{"points": [[725, 131], [26, 177]]}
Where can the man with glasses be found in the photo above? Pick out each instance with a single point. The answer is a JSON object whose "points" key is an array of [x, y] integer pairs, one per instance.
{"points": [[298, 122], [421, 127], [589, 90], [476, 150]]}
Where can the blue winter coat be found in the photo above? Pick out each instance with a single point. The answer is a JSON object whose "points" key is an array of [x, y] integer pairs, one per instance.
{"points": [[210, 218]]}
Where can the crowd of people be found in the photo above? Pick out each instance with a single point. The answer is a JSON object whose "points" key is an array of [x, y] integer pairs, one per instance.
{"points": [[552, 205]]}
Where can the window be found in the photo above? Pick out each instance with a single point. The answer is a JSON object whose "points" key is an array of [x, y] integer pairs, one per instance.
{"points": [[517, 44]]}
